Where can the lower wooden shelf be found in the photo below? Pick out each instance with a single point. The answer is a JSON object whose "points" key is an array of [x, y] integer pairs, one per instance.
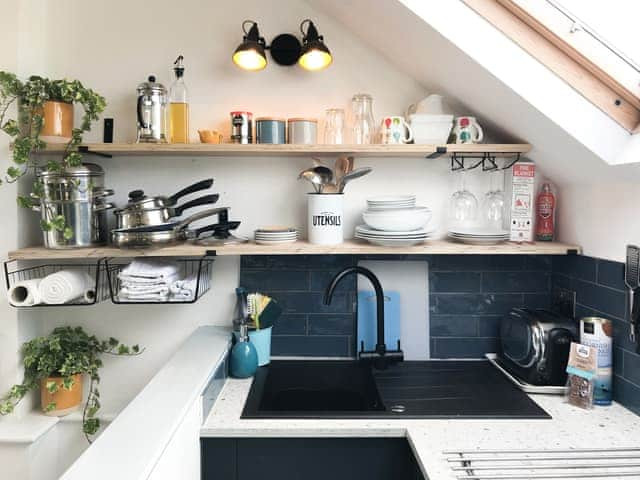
{"points": [[349, 247]]}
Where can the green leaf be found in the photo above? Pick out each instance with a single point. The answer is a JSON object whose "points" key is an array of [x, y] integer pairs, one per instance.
{"points": [[50, 407], [51, 386], [24, 202], [14, 172], [67, 233], [91, 426]]}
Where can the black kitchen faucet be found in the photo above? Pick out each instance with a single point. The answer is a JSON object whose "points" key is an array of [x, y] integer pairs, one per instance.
{"points": [[380, 357]]}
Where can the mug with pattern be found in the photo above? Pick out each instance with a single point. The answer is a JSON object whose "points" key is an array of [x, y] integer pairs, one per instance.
{"points": [[395, 130]]}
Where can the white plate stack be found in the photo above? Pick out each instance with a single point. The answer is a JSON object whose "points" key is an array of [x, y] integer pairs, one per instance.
{"points": [[394, 221], [391, 202], [275, 235], [478, 235]]}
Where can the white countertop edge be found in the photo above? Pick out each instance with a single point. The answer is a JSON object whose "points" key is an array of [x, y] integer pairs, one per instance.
{"points": [[138, 436], [26, 429]]}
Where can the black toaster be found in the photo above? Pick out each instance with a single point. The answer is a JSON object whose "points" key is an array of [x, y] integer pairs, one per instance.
{"points": [[535, 345]]}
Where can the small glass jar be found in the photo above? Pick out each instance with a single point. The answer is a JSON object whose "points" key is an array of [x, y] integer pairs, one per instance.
{"points": [[334, 126], [364, 126]]}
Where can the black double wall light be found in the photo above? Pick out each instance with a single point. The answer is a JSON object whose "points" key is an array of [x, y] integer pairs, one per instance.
{"points": [[312, 54]]}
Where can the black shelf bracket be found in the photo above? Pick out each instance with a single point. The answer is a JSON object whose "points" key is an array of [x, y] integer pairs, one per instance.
{"points": [[85, 150], [438, 153]]}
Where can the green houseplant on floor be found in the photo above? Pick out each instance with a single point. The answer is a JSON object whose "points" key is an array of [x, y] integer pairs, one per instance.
{"points": [[35, 99], [56, 363]]}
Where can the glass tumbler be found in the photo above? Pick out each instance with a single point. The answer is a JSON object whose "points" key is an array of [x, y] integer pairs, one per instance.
{"points": [[364, 127], [334, 126]]}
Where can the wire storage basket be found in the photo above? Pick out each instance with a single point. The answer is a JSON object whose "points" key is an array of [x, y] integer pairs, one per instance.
{"points": [[55, 284], [191, 281]]}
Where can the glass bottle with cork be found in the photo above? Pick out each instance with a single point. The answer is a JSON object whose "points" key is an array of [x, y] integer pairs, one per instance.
{"points": [[178, 106]]}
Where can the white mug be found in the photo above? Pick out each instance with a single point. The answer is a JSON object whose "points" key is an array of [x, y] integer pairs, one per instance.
{"points": [[325, 215], [467, 130], [395, 130]]}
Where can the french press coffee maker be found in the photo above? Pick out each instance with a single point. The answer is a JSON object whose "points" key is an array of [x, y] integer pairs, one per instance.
{"points": [[152, 112]]}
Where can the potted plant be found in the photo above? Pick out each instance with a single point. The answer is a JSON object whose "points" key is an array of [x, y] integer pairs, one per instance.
{"points": [[44, 108], [55, 363]]}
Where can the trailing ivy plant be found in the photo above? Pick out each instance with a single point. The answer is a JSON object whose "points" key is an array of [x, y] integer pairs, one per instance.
{"points": [[29, 98], [67, 351]]}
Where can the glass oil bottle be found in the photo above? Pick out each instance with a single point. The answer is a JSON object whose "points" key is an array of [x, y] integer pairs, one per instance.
{"points": [[178, 106]]}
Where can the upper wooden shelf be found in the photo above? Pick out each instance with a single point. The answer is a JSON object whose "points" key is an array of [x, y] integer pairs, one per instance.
{"points": [[288, 150], [349, 247]]}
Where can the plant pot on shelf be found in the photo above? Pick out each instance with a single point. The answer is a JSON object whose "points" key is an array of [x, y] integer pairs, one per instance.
{"points": [[58, 122], [65, 400]]}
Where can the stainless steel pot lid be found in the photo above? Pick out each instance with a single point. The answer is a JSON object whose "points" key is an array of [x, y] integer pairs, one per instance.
{"points": [[84, 170]]}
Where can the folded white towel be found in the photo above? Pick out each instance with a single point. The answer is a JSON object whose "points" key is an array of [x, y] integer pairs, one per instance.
{"points": [[158, 297], [146, 268], [65, 286], [144, 289], [184, 289], [25, 293]]}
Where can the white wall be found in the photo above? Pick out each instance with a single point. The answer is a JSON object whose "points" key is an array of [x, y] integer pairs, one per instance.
{"points": [[113, 46]]}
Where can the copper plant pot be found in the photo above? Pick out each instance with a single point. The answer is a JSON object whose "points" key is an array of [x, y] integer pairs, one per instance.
{"points": [[58, 122], [66, 401]]}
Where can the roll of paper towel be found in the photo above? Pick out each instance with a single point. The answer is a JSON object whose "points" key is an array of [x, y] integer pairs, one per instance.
{"points": [[66, 286], [25, 293]]}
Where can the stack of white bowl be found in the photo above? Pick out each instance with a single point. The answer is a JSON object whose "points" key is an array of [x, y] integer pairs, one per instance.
{"points": [[394, 221]]}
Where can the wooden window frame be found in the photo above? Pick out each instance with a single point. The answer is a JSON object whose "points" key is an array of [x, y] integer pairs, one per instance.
{"points": [[580, 60]]}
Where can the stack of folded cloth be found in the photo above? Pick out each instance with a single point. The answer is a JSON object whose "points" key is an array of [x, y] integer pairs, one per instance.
{"points": [[155, 280]]}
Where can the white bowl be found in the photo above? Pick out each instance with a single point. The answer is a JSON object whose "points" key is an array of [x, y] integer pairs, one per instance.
{"points": [[397, 220]]}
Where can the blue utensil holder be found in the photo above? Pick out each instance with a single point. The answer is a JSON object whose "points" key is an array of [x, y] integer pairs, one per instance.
{"points": [[261, 340]]}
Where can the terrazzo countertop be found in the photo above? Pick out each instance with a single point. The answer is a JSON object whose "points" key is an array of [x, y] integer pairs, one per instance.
{"points": [[603, 427]]}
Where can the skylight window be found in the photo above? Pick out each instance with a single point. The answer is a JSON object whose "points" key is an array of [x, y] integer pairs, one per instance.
{"points": [[614, 23], [594, 45]]}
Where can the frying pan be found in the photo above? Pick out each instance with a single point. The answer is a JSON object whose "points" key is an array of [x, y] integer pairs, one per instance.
{"points": [[168, 233]]}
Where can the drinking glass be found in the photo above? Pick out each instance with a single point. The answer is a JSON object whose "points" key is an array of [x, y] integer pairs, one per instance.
{"points": [[493, 204], [334, 126], [463, 207]]}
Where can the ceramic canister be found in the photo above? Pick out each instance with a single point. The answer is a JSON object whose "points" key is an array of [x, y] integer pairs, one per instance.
{"points": [[303, 131], [325, 211], [270, 130]]}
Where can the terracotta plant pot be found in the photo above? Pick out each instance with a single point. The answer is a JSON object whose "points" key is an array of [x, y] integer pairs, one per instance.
{"points": [[58, 122], [66, 401]]}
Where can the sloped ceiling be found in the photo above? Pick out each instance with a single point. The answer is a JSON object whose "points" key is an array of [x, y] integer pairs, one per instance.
{"points": [[573, 152]]}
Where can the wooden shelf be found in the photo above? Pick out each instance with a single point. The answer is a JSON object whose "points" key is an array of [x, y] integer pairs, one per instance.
{"points": [[254, 150], [349, 247]]}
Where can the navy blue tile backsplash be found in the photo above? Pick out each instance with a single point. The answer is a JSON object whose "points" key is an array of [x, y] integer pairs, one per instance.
{"points": [[600, 291], [467, 298]]}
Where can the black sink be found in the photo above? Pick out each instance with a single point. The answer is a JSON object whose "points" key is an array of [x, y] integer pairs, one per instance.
{"points": [[349, 389], [288, 388]]}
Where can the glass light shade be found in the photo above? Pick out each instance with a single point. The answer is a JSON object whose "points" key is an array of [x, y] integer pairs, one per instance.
{"points": [[250, 58]]}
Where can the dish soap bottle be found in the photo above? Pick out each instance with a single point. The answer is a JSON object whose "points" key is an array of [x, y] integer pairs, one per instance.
{"points": [[178, 106], [244, 357]]}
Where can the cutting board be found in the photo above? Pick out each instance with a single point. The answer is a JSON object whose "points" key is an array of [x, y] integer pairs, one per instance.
{"points": [[367, 320], [411, 280]]}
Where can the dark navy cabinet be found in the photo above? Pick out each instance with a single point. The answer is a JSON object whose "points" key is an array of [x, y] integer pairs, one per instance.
{"points": [[308, 458]]}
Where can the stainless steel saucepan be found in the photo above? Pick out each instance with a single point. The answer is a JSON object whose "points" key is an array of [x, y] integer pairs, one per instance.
{"points": [[139, 201], [148, 217], [160, 234]]}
